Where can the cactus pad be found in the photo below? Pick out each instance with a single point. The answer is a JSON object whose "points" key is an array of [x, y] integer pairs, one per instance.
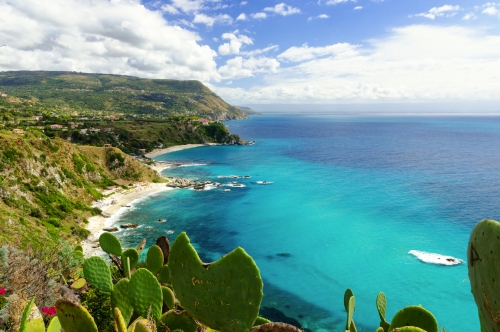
{"points": [[381, 303], [168, 297], [133, 257], [120, 299], [54, 325], [484, 271], [141, 327], [347, 295], [154, 259], [79, 283], [97, 273], [145, 294], [414, 316], [178, 321], [110, 244], [120, 325], [79, 248], [74, 317], [379, 329], [164, 275], [409, 329], [261, 320], [225, 295], [350, 312]]}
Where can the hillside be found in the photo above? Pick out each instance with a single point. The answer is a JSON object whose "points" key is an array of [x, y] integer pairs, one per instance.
{"points": [[46, 186], [100, 94]]}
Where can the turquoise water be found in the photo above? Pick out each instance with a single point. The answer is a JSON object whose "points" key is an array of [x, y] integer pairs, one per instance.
{"points": [[350, 198]]}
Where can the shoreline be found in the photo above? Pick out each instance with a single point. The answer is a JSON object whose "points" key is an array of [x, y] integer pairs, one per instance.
{"points": [[158, 152], [115, 205]]}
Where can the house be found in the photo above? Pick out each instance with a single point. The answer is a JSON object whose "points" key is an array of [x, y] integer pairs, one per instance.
{"points": [[203, 121], [56, 127], [18, 131], [40, 127], [83, 132], [94, 130], [107, 130], [108, 145], [143, 151], [37, 117]]}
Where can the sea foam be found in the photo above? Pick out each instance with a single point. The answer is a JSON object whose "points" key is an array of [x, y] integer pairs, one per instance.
{"points": [[432, 258]]}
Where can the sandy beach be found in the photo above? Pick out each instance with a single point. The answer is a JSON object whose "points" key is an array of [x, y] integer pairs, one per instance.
{"points": [[115, 205], [158, 152]]}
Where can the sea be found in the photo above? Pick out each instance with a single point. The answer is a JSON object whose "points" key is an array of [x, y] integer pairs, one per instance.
{"points": [[332, 202]]}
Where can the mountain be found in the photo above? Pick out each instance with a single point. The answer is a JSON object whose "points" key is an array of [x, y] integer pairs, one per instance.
{"points": [[115, 94], [248, 110]]}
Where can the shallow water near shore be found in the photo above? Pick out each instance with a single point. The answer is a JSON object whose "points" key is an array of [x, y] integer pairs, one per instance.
{"points": [[350, 197]]}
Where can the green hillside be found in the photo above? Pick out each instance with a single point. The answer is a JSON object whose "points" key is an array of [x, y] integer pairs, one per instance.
{"points": [[69, 92]]}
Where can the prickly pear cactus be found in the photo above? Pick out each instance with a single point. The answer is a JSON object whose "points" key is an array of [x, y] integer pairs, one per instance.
{"points": [[141, 327], [154, 259], [347, 295], [350, 313], [110, 244], [145, 294], [381, 303], [32, 320], [164, 275], [409, 329], [483, 255], [54, 325], [79, 284], [120, 299], [380, 329], [168, 297], [73, 317], [79, 248], [132, 326], [120, 325], [415, 316], [133, 257], [260, 321], [178, 321], [98, 274], [224, 296]]}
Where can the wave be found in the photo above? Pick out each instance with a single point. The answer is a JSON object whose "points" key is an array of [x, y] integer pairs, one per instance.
{"points": [[264, 182], [432, 258], [192, 165], [234, 185]]}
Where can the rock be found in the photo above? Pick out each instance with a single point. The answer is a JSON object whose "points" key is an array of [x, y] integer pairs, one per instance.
{"points": [[180, 183], [105, 214], [111, 229], [127, 226]]}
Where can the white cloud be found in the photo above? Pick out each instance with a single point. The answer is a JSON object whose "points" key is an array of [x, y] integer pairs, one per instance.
{"points": [[259, 15], [446, 10], [170, 9], [304, 52], [243, 3], [242, 17], [469, 16], [234, 44], [336, 2], [358, 7], [239, 67], [283, 9], [117, 37], [270, 48], [321, 16], [188, 5], [211, 20], [413, 63], [490, 11]]}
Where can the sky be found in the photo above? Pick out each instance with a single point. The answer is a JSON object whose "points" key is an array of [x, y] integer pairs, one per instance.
{"points": [[267, 51]]}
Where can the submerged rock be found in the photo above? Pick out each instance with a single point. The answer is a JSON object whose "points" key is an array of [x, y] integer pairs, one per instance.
{"points": [[127, 226], [111, 229]]}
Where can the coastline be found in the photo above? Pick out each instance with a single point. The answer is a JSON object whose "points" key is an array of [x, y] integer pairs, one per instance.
{"points": [[157, 152], [121, 199], [115, 205]]}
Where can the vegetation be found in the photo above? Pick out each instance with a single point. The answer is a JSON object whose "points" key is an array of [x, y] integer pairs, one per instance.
{"points": [[46, 187], [66, 93]]}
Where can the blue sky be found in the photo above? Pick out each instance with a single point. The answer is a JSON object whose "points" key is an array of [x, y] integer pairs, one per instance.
{"points": [[321, 51]]}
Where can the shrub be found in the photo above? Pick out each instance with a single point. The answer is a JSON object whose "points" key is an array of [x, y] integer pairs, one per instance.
{"points": [[98, 305], [54, 222]]}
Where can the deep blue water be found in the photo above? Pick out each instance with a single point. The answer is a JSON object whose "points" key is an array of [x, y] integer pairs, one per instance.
{"points": [[350, 198]]}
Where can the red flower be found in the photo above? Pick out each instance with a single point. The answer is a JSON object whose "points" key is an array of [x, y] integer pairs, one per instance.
{"points": [[2, 291], [49, 311]]}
